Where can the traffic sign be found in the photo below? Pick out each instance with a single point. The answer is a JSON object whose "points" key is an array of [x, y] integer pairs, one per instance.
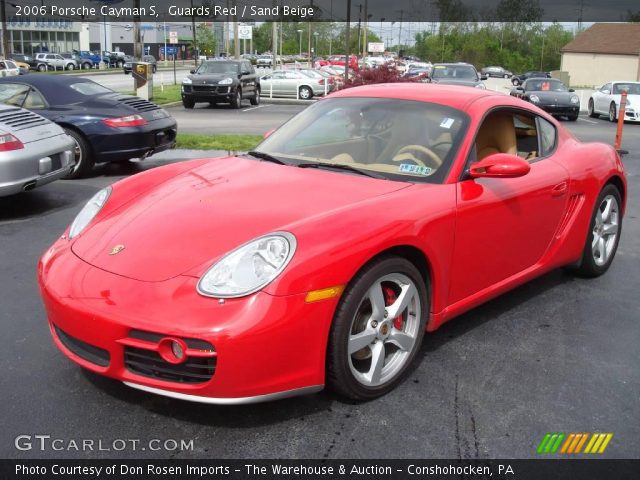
{"points": [[173, 39], [245, 32], [173, 34]]}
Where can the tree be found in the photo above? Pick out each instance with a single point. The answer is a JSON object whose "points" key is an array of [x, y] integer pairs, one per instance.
{"points": [[206, 39]]}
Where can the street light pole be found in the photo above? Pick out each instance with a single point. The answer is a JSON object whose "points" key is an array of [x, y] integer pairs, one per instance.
{"points": [[300, 43]]}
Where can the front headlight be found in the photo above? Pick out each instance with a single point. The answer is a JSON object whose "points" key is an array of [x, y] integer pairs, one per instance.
{"points": [[250, 267], [534, 98], [187, 81], [89, 211], [481, 86], [226, 81], [575, 99]]}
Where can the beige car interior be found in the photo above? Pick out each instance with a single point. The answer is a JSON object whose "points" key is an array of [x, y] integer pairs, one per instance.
{"points": [[507, 132]]}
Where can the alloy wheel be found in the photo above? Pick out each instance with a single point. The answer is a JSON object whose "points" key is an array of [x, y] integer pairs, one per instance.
{"points": [[605, 230]]}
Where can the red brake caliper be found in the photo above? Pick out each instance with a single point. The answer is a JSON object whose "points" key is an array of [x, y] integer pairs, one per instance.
{"points": [[390, 297]]}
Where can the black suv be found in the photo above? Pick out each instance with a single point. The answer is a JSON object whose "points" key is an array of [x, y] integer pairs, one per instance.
{"points": [[225, 81]]}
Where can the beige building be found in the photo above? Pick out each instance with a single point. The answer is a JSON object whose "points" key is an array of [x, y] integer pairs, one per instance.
{"points": [[603, 52]]}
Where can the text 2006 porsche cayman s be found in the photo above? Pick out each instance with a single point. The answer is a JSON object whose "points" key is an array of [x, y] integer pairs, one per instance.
{"points": [[322, 257]]}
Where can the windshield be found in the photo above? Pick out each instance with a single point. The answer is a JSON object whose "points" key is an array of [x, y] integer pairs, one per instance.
{"points": [[460, 72], [397, 139], [630, 88], [545, 85], [218, 67]]}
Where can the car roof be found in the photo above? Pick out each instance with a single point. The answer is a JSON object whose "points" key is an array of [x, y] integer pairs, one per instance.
{"points": [[55, 88], [451, 95]]}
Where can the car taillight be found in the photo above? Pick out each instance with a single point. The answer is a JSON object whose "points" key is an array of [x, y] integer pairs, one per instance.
{"points": [[321, 81], [8, 143], [127, 121]]}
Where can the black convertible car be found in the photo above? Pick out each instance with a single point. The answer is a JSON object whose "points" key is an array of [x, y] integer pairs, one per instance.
{"points": [[106, 126], [550, 95]]}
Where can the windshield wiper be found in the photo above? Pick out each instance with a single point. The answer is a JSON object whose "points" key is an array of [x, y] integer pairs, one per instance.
{"points": [[267, 157], [340, 166]]}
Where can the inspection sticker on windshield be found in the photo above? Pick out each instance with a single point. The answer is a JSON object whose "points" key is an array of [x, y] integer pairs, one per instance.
{"points": [[415, 169], [446, 123]]}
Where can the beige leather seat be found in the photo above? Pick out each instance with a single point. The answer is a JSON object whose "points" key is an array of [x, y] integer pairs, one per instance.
{"points": [[497, 135]]}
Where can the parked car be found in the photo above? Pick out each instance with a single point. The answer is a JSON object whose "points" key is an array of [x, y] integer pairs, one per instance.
{"points": [[498, 72], [606, 100], [33, 150], [225, 81], [463, 74], [264, 61], [129, 60], [419, 74], [324, 78], [94, 57], [56, 61], [22, 62], [322, 257], [291, 83], [113, 59], [83, 63], [551, 95], [520, 79], [8, 68], [37, 63], [106, 126]]}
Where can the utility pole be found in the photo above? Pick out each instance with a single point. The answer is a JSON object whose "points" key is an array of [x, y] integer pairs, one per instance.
{"points": [[137, 47], [226, 34], [5, 33], [366, 22], [236, 38], [347, 35], [195, 39], [274, 40], [310, 37], [281, 30], [331, 23], [359, 29], [400, 32]]}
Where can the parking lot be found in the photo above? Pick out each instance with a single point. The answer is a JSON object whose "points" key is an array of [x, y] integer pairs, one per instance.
{"points": [[558, 354]]}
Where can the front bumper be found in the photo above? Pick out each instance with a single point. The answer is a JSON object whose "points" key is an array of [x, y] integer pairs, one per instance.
{"points": [[570, 110], [264, 347], [37, 164], [208, 93]]}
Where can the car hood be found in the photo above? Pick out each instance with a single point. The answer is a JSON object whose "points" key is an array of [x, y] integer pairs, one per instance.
{"points": [[553, 97], [198, 216], [209, 78], [454, 81]]}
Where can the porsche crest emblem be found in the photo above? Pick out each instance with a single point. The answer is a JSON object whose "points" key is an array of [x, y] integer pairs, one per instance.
{"points": [[116, 250]]}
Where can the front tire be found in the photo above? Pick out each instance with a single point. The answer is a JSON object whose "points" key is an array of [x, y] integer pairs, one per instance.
{"points": [[604, 234], [612, 112], [305, 93], [591, 109], [255, 100], [377, 329], [83, 154], [71, 66], [572, 118], [42, 68], [236, 101], [188, 103]]}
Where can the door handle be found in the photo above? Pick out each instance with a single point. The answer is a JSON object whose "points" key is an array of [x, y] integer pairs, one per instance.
{"points": [[560, 189]]}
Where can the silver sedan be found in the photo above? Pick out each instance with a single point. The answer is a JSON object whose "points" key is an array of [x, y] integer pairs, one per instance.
{"points": [[292, 83], [33, 151]]}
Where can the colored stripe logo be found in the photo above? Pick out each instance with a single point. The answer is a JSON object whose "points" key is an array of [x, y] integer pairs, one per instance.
{"points": [[573, 443]]}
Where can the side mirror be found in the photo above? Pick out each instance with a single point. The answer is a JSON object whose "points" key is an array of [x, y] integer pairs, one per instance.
{"points": [[519, 88], [500, 165], [268, 134], [571, 90], [192, 71]]}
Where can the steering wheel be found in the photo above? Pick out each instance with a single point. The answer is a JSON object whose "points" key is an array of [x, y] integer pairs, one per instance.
{"points": [[432, 157]]}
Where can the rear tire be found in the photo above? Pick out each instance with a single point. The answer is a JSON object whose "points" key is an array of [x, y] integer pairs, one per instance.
{"points": [[604, 234], [71, 66], [591, 109], [83, 154], [612, 112], [572, 118], [369, 353], [188, 103]]}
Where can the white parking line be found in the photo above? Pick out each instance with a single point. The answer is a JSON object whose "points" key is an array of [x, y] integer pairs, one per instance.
{"points": [[585, 120], [253, 108]]}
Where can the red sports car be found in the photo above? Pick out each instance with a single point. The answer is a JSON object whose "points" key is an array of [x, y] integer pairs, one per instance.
{"points": [[322, 257]]}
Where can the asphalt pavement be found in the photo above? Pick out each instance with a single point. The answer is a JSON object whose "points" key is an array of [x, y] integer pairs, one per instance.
{"points": [[559, 354]]}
